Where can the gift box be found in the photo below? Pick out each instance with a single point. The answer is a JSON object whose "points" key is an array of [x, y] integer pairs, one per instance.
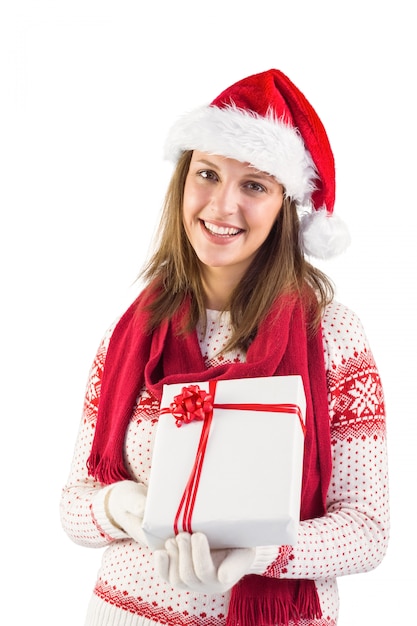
{"points": [[227, 461]]}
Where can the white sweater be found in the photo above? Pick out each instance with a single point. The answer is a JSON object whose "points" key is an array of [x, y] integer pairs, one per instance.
{"points": [[351, 538]]}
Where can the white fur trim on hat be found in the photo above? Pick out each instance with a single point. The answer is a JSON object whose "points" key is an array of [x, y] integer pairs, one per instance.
{"points": [[322, 235], [269, 144]]}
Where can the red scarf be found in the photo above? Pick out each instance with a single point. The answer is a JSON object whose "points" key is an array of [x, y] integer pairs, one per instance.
{"points": [[281, 347]]}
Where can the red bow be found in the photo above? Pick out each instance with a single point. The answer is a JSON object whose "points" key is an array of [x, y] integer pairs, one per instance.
{"points": [[191, 404]]}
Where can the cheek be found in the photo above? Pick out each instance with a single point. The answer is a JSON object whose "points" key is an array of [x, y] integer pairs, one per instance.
{"points": [[272, 213], [188, 206], [189, 212], [196, 197], [266, 218]]}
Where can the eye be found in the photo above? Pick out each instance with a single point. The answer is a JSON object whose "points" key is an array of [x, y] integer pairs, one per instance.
{"points": [[208, 174], [252, 186]]}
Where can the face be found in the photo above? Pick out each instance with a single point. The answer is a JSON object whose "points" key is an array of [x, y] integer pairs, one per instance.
{"points": [[229, 209]]}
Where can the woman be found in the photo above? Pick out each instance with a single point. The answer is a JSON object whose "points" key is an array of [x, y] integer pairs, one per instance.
{"points": [[231, 293]]}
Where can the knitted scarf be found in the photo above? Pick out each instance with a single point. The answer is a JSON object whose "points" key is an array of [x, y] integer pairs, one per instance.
{"points": [[282, 346]]}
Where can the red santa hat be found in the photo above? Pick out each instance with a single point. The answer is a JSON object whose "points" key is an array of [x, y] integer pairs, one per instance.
{"points": [[266, 121]]}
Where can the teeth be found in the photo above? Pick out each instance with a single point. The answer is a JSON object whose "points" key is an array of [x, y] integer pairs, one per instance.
{"points": [[221, 230]]}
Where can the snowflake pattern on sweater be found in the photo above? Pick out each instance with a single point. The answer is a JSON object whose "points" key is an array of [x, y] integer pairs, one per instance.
{"points": [[351, 538]]}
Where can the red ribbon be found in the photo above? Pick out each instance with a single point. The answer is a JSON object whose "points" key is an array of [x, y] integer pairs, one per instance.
{"points": [[196, 404]]}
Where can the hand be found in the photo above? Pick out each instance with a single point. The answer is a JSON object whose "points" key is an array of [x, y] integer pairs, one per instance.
{"points": [[125, 506], [188, 564]]}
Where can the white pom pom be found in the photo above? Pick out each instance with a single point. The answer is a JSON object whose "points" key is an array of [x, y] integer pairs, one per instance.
{"points": [[323, 235]]}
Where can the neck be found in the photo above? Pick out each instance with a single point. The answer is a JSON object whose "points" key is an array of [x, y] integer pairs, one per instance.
{"points": [[218, 287]]}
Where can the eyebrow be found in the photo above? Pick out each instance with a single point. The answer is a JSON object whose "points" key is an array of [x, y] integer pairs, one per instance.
{"points": [[205, 162]]}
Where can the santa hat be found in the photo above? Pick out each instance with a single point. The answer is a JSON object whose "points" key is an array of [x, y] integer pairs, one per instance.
{"points": [[266, 121]]}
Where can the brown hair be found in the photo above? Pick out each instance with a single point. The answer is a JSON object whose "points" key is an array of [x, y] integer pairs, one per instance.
{"points": [[279, 267]]}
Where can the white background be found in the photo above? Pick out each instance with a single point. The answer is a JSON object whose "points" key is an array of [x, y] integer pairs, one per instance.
{"points": [[87, 92]]}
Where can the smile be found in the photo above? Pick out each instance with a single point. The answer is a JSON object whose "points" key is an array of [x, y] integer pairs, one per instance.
{"points": [[221, 231]]}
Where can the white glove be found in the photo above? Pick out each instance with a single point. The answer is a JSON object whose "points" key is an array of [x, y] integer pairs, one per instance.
{"points": [[188, 564], [125, 506]]}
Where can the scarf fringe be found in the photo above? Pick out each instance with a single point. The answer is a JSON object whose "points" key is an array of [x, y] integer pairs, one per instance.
{"points": [[308, 600], [276, 602], [107, 471]]}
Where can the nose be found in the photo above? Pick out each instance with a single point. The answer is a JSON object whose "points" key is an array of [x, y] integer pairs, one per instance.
{"points": [[224, 200]]}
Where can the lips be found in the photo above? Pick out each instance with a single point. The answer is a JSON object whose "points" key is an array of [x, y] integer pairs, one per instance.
{"points": [[221, 231]]}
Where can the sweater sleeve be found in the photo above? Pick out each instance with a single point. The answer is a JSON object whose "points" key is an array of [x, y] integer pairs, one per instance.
{"points": [[82, 501], [352, 537]]}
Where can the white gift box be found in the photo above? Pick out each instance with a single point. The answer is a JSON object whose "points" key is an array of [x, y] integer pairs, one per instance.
{"points": [[249, 488]]}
